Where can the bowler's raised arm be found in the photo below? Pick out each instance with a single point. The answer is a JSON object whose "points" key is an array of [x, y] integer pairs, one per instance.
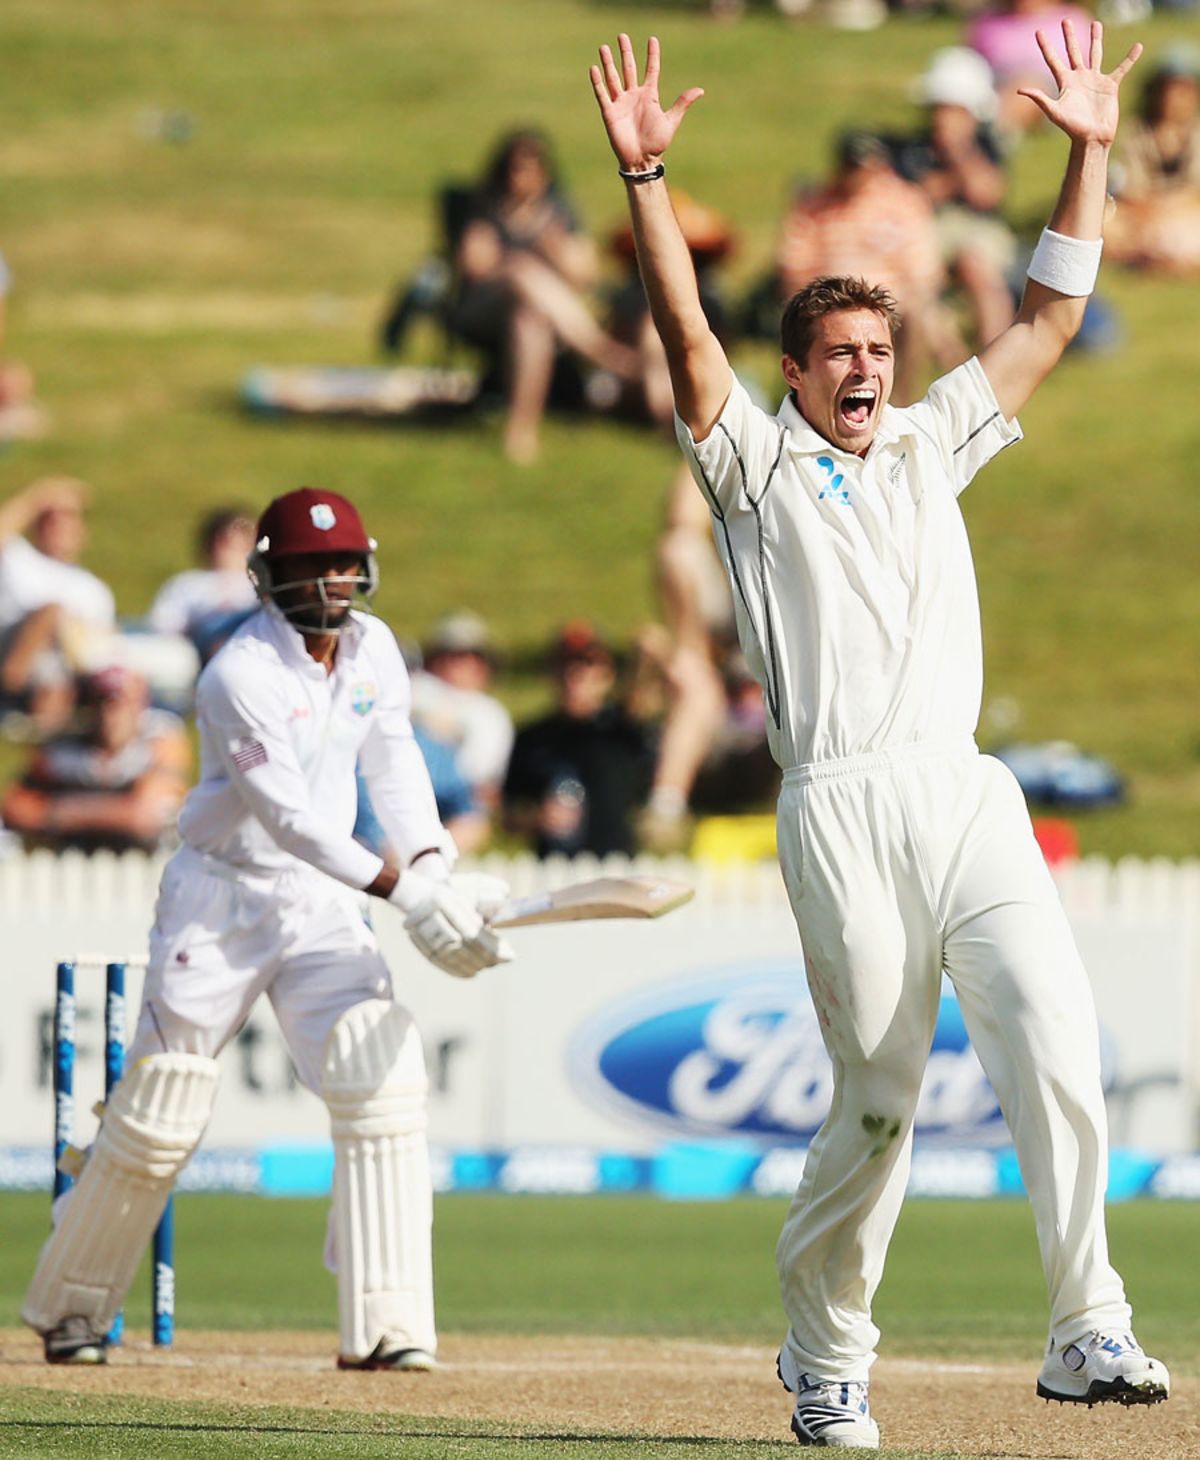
{"points": [[1063, 271], [640, 131]]}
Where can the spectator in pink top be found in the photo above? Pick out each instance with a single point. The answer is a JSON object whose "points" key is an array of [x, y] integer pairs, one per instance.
{"points": [[1006, 38]]}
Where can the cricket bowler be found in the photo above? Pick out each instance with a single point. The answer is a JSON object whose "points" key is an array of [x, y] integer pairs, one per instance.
{"points": [[906, 854]]}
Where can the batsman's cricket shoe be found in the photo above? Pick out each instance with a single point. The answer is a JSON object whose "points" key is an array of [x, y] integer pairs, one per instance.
{"points": [[387, 1355], [74, 1341], [1102, 1368], [831, 1412]]}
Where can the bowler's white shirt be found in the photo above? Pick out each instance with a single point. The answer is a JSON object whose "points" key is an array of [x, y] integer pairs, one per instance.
{"points": [[279, 742], [853, 583]]}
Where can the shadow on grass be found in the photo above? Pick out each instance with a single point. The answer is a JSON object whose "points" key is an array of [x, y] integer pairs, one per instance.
{"points": [[458, 1432]]}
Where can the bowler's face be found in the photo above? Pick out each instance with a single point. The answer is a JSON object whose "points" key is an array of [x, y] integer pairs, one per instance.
{"points": [[843, 386]]}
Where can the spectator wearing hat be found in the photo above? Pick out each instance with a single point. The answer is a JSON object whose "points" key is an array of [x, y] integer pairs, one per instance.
{"points": [[957, 161], [116, 784], [579, 774], [453, 704], [1157, 178], [867, 222]]}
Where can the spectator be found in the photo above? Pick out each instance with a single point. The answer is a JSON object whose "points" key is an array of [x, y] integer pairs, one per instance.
{"points": [[524, 266], [1006, 38], [458, 810], [698, 608], [1157, 221], [54, 615], [868, 222], [578, 775], [116, 785], [19, 415], [452, 703], [738, 773], [958, 163], [206, 604]]}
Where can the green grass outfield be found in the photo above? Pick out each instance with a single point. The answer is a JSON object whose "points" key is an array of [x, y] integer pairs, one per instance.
{"points": [[963, 1282], [149, 275]]}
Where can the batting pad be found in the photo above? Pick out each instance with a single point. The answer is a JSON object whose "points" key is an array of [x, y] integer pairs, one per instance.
{"points": [[373, 1082], [152, 1123]]}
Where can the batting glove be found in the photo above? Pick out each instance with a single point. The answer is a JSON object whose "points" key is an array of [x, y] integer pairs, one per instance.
{"points": [[445, 927], [486, 894]]}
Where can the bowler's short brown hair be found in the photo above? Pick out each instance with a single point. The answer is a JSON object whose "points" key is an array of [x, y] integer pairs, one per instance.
{"points": [[830, 295]]}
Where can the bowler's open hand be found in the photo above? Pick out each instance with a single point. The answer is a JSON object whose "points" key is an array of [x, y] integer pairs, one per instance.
{"points": [[1086, 107], [638, 128]]}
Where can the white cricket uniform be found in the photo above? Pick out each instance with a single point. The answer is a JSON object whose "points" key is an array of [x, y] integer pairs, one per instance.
{"points": [[265, 895], [905, 853]]}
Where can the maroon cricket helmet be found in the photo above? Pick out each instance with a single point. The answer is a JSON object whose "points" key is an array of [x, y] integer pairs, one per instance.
{"points": [[311, 521], [308, 521]]}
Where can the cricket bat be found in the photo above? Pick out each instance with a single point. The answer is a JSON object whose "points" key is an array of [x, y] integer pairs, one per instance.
{"points": [[604, 897]]}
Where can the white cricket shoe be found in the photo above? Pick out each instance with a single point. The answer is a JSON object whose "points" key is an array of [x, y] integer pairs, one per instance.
{"points": [[386, 1355], [831, 1412], [1102, 1368]]}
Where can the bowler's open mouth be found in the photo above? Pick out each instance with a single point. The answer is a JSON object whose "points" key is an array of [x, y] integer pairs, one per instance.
{"points": [[857, 405]]}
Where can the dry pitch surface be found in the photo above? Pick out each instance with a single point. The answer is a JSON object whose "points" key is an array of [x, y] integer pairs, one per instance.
{"points": [[661, 1387]]}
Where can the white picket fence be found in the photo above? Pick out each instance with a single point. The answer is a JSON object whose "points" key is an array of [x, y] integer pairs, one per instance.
{"points": [[43, 885]]}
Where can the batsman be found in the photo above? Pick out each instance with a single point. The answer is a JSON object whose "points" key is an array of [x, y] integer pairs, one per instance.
{"points": [[906, 854], [265, 896]]}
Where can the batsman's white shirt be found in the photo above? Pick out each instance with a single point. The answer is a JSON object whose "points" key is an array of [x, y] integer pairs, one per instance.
{"points": [[906, 854], [279, 742], [853, 582], [265, 896]]}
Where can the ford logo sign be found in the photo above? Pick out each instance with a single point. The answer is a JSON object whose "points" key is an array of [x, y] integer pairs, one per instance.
{"points": [[740, 1053]]}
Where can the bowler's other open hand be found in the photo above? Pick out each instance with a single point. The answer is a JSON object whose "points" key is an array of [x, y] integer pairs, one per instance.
{"points": [[1086, 107]]}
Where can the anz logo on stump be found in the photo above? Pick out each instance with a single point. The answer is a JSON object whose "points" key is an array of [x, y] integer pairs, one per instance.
{"points": [[740, 1054]]}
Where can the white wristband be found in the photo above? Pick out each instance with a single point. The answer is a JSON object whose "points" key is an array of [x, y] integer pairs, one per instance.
{"points": [[1066, 265]]}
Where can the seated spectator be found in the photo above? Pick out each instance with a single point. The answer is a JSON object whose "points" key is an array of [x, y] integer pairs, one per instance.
{"points": [[57, 620], [578, 775], [55, 617], [1006, 38], [458, 810], [1156, 224], [868, 222], [738, 774], [206, 604], [118, 784], [958, 163], [524, 266], [452, 703]]}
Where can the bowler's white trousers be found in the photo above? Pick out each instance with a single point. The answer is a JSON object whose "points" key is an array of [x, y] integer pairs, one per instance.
{"points": [[222, 937], [900, 866]]}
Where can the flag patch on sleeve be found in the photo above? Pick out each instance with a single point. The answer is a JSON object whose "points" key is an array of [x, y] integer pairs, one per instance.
{"points": [[249, 753]]}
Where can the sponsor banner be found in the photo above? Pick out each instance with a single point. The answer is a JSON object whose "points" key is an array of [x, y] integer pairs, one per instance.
{"points": [[680, 1171], [655, 1040], [740, 1054]]}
